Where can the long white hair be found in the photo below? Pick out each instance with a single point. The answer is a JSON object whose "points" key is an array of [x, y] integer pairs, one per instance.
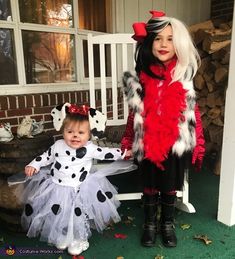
{"points": [[187, 54]]}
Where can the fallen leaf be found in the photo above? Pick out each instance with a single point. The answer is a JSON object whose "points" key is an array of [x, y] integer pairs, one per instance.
{"points": [[204, 238], [159, 257], [109, 228], [185, 226], [120, 257], [127, 222], [121, 236]]}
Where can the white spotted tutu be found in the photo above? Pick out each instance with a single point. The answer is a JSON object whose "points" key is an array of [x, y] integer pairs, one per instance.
{"points": [[61, 214]]}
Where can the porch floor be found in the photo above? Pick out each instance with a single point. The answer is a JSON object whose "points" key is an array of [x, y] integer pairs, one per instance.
{"points": [[203, 195]]}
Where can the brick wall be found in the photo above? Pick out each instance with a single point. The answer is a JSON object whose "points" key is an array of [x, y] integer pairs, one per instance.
{"points": [[222, 9], [38, 106]]}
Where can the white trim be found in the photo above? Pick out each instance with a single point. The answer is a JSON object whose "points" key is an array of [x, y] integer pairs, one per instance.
{"points": [[46, 28], [7, 25], [226, 206], [42, 88], [19, 49]]}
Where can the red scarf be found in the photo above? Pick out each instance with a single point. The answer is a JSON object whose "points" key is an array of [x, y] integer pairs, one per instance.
{"points": [[164, 103]]}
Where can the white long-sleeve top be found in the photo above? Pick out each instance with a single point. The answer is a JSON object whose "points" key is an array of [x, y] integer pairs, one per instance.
{"points": [[69, 166]]}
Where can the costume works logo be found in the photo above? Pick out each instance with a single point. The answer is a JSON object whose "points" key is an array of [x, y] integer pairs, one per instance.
{"points": [[10, 250]]}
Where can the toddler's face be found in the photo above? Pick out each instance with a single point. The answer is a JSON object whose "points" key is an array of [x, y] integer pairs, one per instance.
{"points": [[163, 47], [76, 134]]}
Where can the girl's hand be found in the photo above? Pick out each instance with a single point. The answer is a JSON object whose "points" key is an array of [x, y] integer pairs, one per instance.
{"points": [[128, 154], [29, 170]]}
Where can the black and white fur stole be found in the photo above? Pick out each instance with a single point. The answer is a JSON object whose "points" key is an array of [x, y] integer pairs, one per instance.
{"points": [[134, 95]]}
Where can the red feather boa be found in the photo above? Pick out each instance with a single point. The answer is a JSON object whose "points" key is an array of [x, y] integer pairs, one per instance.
{"points": [[164, 103]]}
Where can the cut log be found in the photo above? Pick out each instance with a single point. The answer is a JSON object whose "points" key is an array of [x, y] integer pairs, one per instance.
{"points": [[199, 82], [212, 46], [218, 35], [221, 74], [214, 113], [215, 98], [211, 86], [205, 63], [216, 134], [218, 122]]}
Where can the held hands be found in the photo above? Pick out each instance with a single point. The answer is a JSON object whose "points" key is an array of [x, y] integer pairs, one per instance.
{"points": [[128, 154], [29, 170]]}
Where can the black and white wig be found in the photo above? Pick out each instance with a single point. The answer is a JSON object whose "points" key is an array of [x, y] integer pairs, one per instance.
{"points": [[187, 55]]}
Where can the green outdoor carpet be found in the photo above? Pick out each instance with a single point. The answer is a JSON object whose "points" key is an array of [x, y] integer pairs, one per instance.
{"points": [[203, 195]]}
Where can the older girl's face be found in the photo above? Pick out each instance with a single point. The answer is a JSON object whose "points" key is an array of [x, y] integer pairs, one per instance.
{"points": [[163, 47]]}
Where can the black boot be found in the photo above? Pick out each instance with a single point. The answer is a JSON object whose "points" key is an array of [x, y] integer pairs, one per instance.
{"points": [[150, 220], [167, 220]]}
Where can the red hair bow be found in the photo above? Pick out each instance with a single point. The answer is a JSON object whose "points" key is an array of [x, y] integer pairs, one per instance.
{"points": [[140, 31], [140, 27], [156, 14], [83, 110]]}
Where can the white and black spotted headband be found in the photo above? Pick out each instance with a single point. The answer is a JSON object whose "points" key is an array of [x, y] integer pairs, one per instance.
{"points": [[97, 119]]}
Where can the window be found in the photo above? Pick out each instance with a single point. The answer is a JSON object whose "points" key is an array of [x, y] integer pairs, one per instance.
{"points": [[98, 11], [43, 42], [8, 71], [48, 12], [5, 10], [48, 56]]}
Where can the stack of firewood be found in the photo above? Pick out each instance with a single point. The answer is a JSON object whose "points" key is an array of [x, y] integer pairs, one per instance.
{"points": [[213, 43]]}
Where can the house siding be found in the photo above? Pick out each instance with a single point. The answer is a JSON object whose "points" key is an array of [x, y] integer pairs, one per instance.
{"points": [[129, 11]]}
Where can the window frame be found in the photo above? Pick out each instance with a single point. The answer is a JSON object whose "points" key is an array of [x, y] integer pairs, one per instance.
{"points": [[79, 35]]}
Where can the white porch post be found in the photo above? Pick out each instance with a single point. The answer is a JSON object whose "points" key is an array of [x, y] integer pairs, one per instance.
{"points": [[226, 207]]}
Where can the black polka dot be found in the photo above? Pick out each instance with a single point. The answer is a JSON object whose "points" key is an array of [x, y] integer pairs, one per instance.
{"points": [[38, 159], [97, 121], [108, 156], [73, 158], [49, 152], [109, 195], [73, 175], [57, 165], [66, 167], [56, 209], [83, 176], [92, 112], [99, 149], [81, 152], [56, 154], [28, 210], [100, 196], [118, 150], [82, 169], [65, 231], [48, 158], [77, 211], [43, 180], [67, 152], [59, 180], [52, 172]]}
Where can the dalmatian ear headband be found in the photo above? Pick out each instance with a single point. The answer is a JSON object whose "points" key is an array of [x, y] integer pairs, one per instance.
{"points": [[97, 119]]}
